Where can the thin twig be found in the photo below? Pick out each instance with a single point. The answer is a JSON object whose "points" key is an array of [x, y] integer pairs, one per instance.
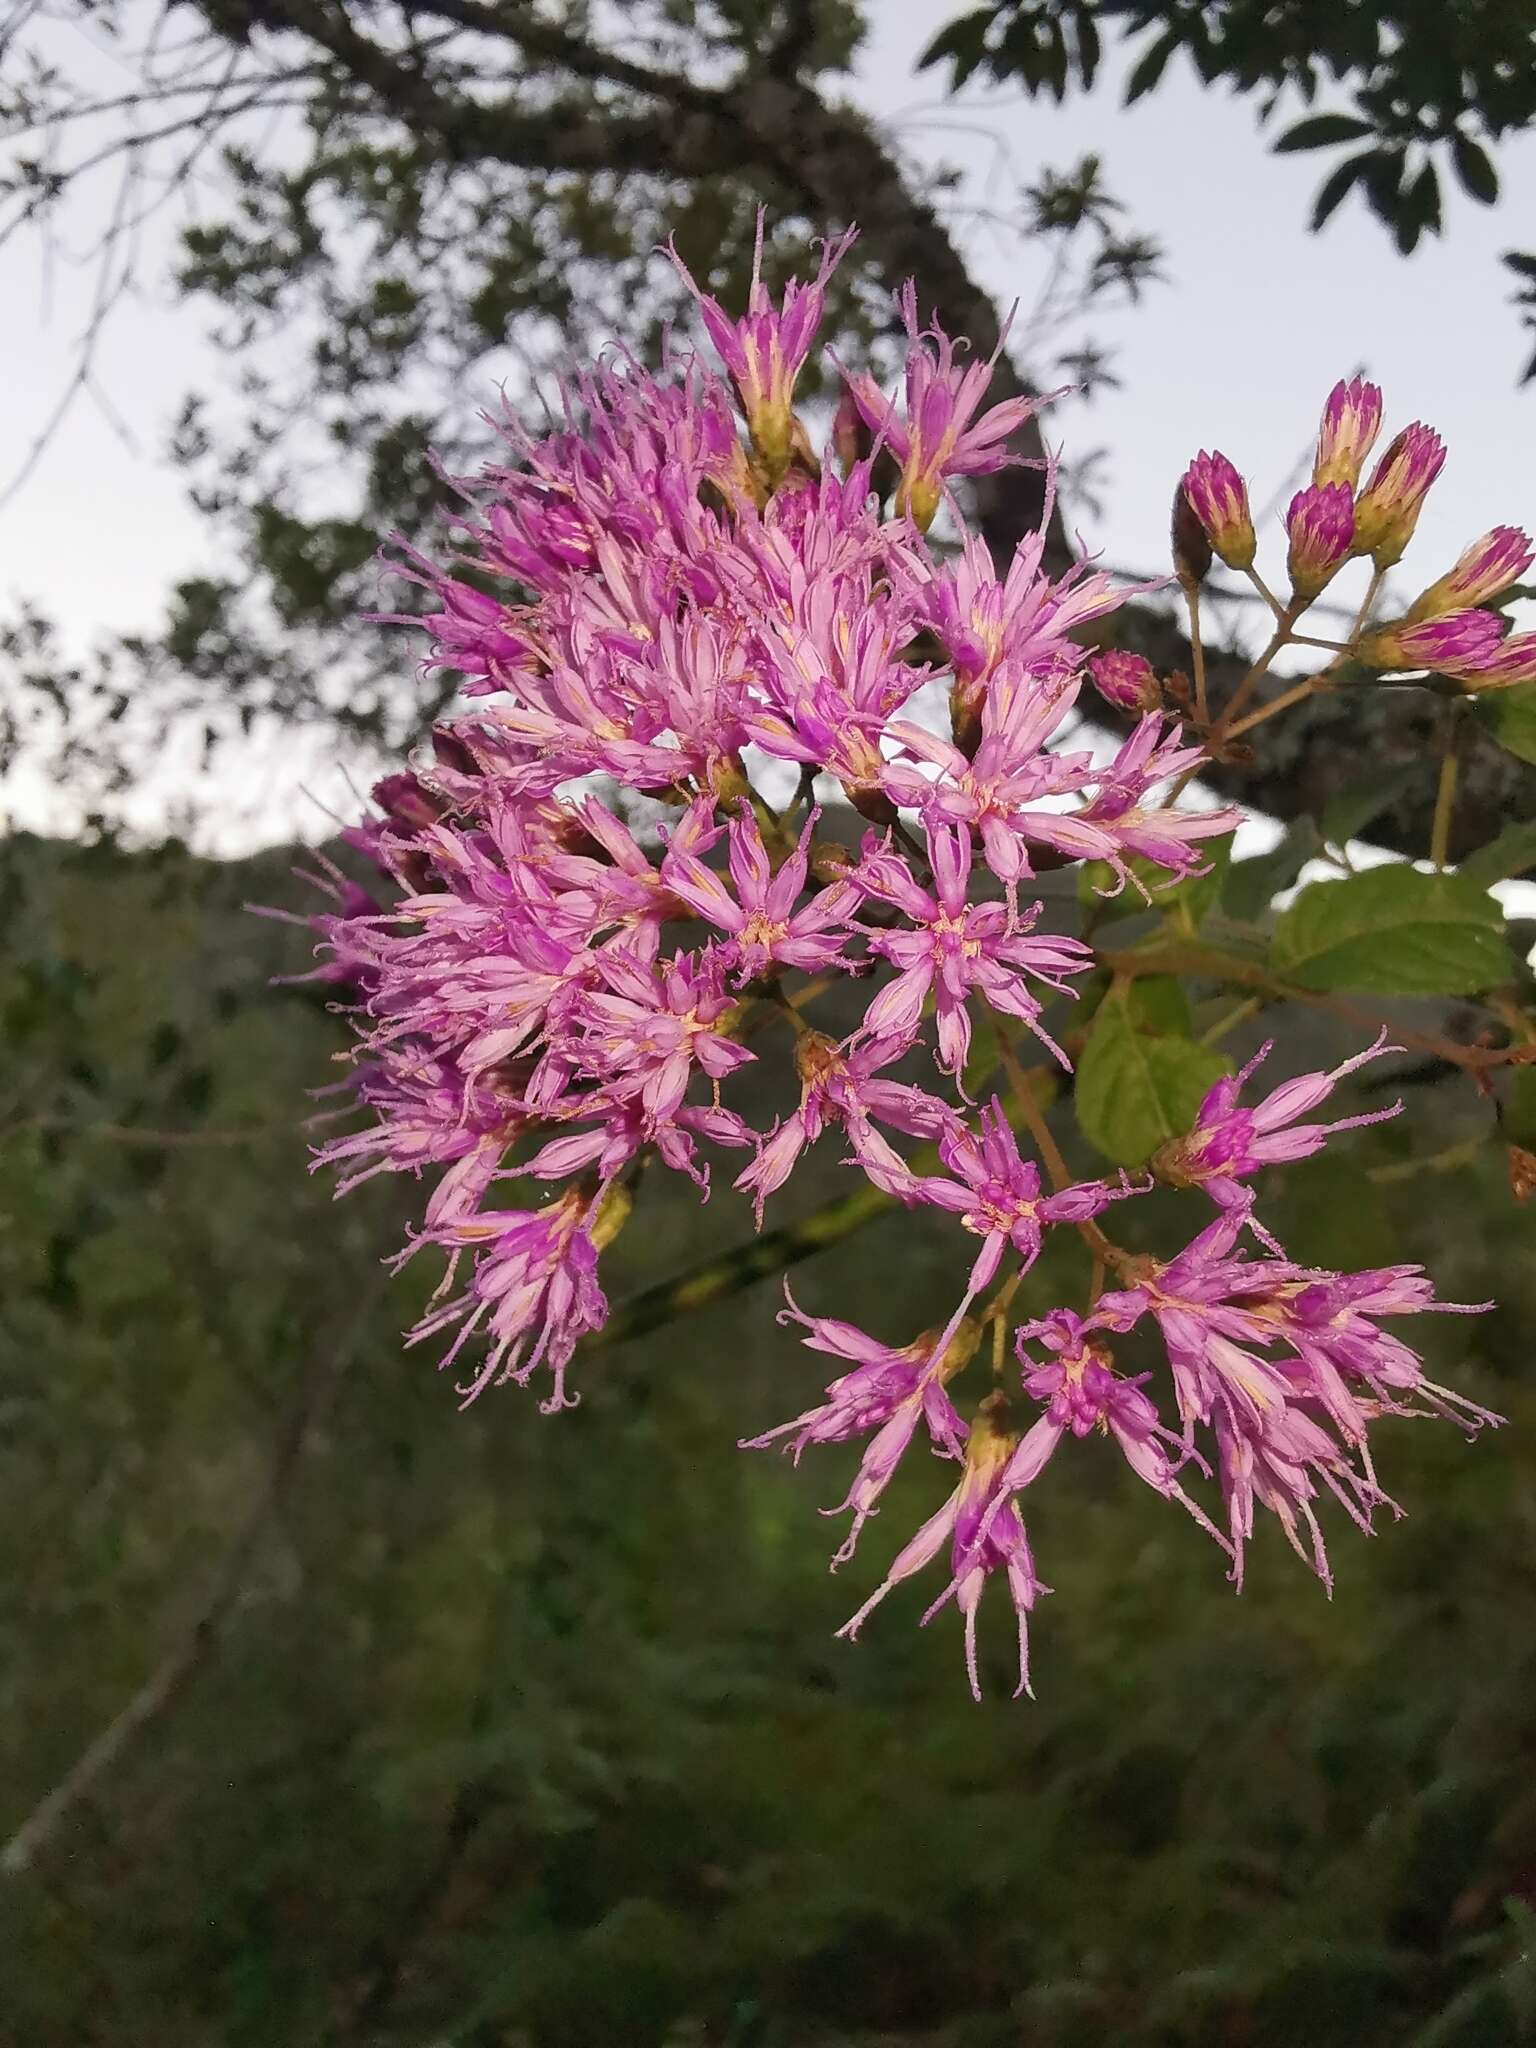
{"points": [[1212, 965]]}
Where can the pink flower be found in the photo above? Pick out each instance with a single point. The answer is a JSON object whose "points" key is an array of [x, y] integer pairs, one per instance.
{"points": [[998, 790], [1271, 1417], [1330, 1319], [1387, 510], [1085, 1396], [1228, 1144], [1321, 525], [425, 1117], [994, 789], [953, 948], [1126, 680], [1218, 497], [1485, 570], [890, 1391], [1457, 643], [998, 1197], [985, 1535], [762, 924], [766, 349], [1122, 818], [476, 634], [534, 1283], [1351, 422], [941, 435], [644, 1028], [1022, 621], [840, 1087]]}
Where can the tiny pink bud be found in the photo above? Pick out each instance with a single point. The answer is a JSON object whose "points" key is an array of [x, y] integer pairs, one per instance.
{"points": [[1387, 510], [1351, 422], [1191, 545], [1321, 524], [1460, 641], [1218, 498], [1126, 680], [1486, 570]]}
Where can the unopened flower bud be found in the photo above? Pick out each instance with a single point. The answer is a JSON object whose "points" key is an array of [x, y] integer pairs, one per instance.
{"points": [[851, 438], [830, 861], [408, 805], [451, 754], [1387, 510], [1126, 680], [1351, 422], [1321, 525], [961, 1348], [728, 782], [801, 454], [1512, 662], [871, 802], [1191, 545], [815, 1057], [967, 700], [1486, 570], [1218, 497], [1460, 640], [612, 1212]]}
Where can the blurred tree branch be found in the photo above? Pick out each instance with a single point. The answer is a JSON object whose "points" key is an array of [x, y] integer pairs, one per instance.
{"points": [[412, 113], [319, 1381]]}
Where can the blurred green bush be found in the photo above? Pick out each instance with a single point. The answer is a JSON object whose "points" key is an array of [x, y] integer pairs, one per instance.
{"points": [[532, 1733]]}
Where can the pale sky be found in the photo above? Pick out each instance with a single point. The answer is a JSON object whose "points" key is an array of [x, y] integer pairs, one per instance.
{"points": [[1237, 349]]}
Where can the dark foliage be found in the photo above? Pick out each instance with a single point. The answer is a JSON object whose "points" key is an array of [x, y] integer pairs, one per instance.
{"points": [[1432, 86], [531, 1734]]}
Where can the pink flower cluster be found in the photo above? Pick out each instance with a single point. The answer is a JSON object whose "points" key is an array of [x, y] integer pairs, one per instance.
{"points": [[613, 870]]}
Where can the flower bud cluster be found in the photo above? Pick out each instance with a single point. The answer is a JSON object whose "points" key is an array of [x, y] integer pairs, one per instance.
{"points": [[1334, 520]]}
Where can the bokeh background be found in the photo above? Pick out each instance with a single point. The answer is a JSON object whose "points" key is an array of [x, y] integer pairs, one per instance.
{"points": [[492, 1731]]}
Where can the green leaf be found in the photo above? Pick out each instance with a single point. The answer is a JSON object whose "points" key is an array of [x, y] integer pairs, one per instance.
{"points": [[1090, 49], [1319, 130], [1393, 931], [1193, 900], [1150, 66], [1383, 178], [1253, 884], [1158, 1004], [1347, 814], [1510, 854], [1137, 1087], [962, 41], [1336, 186], [1474, 167], [1510, 715], [1420, 209]]}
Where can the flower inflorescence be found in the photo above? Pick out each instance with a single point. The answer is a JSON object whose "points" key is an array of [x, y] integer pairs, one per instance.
{"points": [[554, 992]]}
